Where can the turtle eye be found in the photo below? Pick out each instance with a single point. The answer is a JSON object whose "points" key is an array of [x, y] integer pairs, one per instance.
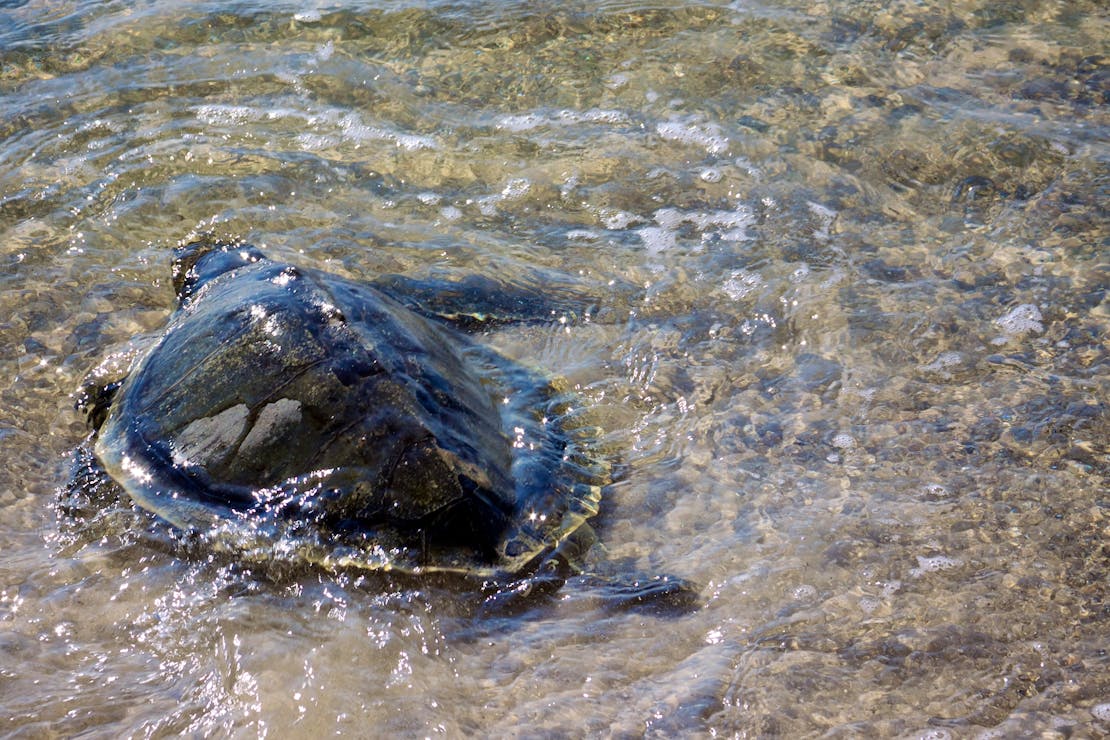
{"points": [[94, 402]]}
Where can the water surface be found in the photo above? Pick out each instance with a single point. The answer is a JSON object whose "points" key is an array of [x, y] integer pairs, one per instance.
{"points": [[861, 395]]}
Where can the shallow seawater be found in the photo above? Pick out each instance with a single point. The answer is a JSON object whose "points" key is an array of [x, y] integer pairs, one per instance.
{"points": [[861, 393]]}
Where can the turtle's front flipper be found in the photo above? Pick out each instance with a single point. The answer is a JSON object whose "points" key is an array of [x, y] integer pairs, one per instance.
{"points": [[663, 595], [658, 595], [478, 301], [551, 570], [517, 596]]}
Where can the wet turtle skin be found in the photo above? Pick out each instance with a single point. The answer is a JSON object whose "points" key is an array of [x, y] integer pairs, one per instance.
{"points": [[280, 401]]}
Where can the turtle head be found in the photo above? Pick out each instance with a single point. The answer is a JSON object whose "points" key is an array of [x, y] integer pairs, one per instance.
{"points": [[94, 398], [200, 261]]}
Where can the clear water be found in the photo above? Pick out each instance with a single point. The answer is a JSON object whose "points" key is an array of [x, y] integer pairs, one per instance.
{"points": [[862, 398]]}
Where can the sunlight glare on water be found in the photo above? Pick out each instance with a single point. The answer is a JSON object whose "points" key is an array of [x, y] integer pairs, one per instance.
{"points": [[850, 356]]}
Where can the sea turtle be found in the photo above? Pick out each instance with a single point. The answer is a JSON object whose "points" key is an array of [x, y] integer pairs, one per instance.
{"points": [[285, 409]]}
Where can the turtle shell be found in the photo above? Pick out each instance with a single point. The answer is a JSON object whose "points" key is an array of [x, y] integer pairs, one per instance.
{"points": [[286, 405]]}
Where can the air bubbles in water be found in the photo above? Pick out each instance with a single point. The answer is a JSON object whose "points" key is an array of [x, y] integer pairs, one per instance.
{"points": [[804, 592], [1022, 320], [708, 136], [516, 188], [309, 15], [943, 363], [934, 564], [742, 283]]}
